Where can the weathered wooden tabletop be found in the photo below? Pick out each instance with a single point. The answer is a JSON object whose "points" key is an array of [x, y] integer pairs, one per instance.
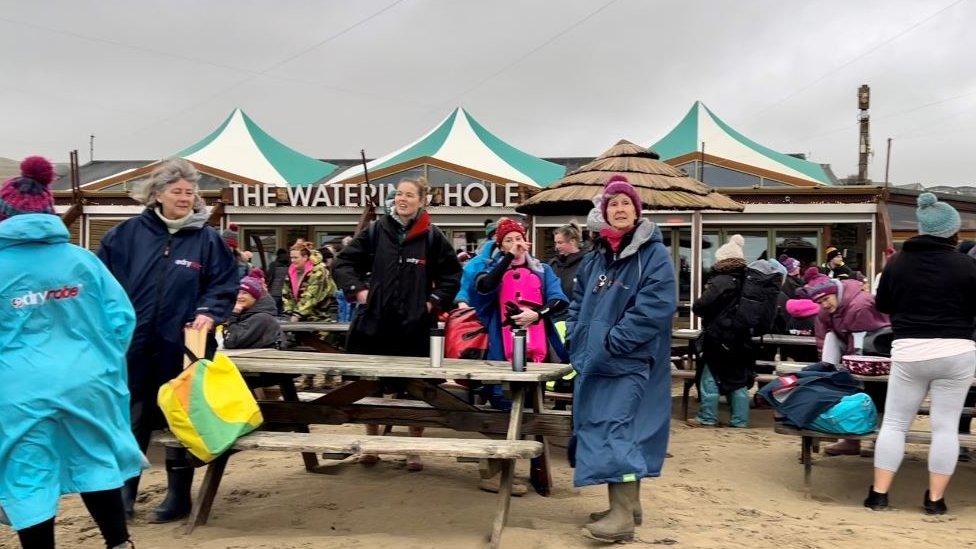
{"points": [[785, 339], [271, 361], [315, 326]]}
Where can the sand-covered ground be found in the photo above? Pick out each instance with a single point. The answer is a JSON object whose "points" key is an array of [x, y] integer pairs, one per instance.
{"points": [[722, 488]]}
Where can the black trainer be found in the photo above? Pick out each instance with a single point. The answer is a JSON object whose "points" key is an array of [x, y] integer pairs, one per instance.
{"points": [[934, 507], [876, 501]]}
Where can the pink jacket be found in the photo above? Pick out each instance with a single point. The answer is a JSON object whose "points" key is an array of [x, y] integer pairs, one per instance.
{"points": [[856, 313]]}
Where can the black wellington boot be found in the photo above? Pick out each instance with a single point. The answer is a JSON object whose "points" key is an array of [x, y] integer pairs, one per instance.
{"points": [[129, 492], [179, 480]]}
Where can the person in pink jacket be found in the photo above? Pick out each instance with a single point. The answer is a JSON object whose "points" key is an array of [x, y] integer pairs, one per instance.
{"points": [[847, 314]]}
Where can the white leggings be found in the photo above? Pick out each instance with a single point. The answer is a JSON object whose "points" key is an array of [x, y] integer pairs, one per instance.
{"points": [[946, 380]]}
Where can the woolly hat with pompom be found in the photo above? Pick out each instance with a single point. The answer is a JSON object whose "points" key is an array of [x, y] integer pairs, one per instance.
{"points": [[818, 285], [28, 193], [731, 249], [253, 286], [792, 265], [618, 184], [506, 226], [936, 218], [230, 235]]}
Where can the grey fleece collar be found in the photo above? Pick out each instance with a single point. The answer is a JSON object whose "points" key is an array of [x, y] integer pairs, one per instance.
{"points": [[644, 233]]}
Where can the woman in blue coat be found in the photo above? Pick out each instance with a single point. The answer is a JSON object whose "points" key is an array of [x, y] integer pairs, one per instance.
{"points": [[178, 272], [620, 344], [64, 415]]}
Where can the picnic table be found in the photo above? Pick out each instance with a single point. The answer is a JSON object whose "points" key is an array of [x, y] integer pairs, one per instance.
{"points": [[307, 334], [287, 326], [785, 339], [685, 334], [367, 376]]}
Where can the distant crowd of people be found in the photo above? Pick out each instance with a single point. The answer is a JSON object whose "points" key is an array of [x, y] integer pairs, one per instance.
{"points": [[89, 339]]}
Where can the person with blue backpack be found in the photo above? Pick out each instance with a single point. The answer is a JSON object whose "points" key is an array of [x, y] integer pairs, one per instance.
{"points": [[64, 416]]}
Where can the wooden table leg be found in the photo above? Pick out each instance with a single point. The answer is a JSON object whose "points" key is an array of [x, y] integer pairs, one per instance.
{"points": [[805, 456], [540, 470], [508, 468], [504, 503], [208, 491], [290, 394]]}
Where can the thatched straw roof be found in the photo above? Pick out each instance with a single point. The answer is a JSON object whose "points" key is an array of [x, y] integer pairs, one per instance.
{"points": [[661, 186]]}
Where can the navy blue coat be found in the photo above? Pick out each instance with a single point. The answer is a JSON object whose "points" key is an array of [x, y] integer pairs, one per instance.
{"points": [[619, 336], [169, 280]]}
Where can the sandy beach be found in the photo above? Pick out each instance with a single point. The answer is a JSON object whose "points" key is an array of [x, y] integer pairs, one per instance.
{"points": [[722, 488]]}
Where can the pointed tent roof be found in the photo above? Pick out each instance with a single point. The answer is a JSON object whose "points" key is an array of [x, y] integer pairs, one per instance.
{"points": [[239, 146], [459, 139], [721, 140], [661, 186]]}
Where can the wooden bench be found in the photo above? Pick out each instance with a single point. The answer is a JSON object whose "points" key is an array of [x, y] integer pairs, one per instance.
{"points": [[808, 438], [500, 454]]}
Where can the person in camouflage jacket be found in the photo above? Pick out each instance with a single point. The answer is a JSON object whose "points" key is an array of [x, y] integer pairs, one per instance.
{"points": [[309, 288], [309, 294]]}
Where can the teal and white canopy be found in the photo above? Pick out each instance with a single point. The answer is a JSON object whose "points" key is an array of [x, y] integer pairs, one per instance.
{"points": [[722, 141], [241, 147], [460, 140]]}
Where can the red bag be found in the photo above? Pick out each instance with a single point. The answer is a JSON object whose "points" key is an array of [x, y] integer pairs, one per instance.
{"points": [[465, 336]]}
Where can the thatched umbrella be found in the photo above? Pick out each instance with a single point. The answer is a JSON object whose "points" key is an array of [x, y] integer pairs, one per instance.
{"points": [[661, 186]]}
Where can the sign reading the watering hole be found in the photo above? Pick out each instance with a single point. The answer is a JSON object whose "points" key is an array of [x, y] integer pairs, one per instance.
{"points": [[469, 195]]}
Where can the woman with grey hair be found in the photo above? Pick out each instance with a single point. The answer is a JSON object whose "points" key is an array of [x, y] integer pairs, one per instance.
{"points": [[178, 274]]}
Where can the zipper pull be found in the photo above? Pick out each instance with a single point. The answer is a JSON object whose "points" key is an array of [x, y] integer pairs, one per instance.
{"points": [[166, 249]]}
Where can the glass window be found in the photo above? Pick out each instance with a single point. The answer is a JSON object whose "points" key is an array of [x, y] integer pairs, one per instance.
{"points": [[269, 241], [292, 234], [902, 217], [690, 168], [684, 265], [211, 183], [545, 243], [717, 176], [756, 244], [710, 243], [774, 183], [438, 177], [801, 245], [395, 178], [968, 221]]}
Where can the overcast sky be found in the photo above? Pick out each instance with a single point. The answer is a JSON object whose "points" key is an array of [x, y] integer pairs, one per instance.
{"points": [[554, 78]]}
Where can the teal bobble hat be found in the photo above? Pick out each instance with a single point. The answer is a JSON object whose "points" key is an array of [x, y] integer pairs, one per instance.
{"points": [[936, 218]]}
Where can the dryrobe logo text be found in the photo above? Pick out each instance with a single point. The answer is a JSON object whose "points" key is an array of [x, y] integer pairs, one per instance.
{"points": [[36, 299], [187, 263]]}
